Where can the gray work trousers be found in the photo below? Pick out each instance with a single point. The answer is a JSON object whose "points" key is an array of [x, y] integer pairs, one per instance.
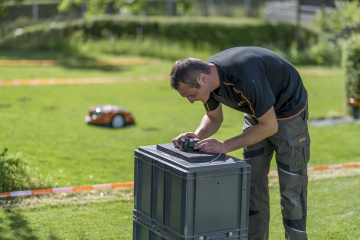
{"points": [[291, 144]]}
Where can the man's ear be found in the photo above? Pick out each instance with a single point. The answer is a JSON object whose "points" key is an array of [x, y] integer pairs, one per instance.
{"points": [[202, 78]]}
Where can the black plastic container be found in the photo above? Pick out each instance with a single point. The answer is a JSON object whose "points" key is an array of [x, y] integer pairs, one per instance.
{"points": [[182, 200]]}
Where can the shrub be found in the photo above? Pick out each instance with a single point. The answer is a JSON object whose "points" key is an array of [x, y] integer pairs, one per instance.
{"points": [[294, 55], [336, 25], [327, 51], [16, 176], [345, 16]]}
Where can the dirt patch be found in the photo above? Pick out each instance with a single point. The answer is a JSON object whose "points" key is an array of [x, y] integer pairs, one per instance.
{"points": [[320, 72], [323, 174], [332, 121], [64, 198], [127, 194]]}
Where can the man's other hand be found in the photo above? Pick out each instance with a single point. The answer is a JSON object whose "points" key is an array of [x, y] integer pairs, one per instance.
{"points": [[175, 141], [211, 145]]}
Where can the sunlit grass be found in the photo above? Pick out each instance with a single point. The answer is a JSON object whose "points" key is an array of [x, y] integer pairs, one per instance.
{"points": [[46, 123], [333, 210]]}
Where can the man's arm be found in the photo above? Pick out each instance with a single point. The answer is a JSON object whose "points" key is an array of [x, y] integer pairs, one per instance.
{"points": [[209, 125], [267, 127]]}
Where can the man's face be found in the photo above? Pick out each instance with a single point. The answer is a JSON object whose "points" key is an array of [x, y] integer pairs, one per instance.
{"points": [[194, 94]]}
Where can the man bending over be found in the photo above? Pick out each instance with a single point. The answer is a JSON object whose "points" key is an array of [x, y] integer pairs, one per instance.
{"points": [[270, 93]]}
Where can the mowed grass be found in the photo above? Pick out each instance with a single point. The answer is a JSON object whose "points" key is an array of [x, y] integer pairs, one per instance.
{"points": [[46, 124], [333, 208], [74, 217], [49, 129]]}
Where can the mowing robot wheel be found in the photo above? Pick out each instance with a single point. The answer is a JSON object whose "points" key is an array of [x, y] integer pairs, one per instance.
{"points": [[117, 121], [356, 112]]}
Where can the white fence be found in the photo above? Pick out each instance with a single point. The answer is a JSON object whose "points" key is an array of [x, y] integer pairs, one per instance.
{"points": [[287, 11]]}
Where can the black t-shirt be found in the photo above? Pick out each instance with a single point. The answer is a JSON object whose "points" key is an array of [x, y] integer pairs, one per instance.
{"points": [[254, 79]]}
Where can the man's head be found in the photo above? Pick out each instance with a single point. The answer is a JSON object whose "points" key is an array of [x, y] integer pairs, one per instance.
{"points": [[187, 71], [189, 77]]}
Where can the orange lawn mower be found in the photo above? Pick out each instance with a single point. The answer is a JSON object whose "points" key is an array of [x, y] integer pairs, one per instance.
{"points": [[109, 116]]}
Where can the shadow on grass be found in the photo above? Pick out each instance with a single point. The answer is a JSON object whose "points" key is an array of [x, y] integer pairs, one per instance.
{"points": [[90, 67], [58, 55], [53, 237], [18, 226], [66, 59], [2, 229]]}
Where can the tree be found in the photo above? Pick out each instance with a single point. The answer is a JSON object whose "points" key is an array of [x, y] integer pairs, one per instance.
{"points": [[2, 9], [95, 7], [345, 17], [343, 23], [2, 6]]}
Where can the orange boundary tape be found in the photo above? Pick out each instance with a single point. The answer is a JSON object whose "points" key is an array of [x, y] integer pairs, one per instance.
{"points": [[130, 184], [66, 190], [41, 192], [349, 165], [51, 81], [5, 194]]}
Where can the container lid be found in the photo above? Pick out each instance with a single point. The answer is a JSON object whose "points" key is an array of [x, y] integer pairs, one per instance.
{"points": [[195, 156], [185, 166]]}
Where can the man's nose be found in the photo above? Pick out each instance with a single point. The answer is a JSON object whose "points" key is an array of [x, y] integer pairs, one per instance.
{"points": [[191, 99]]}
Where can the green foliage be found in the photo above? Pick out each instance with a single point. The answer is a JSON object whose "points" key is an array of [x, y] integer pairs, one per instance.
{"points": [[293, 54], [219, 35], [343, 25], [137, 46], [15, 175], [165, 49], [2, 6], [132, 6], [147, 46], [2, 9], [352, 67], [346, 15], [326, 51], [336, 25]]}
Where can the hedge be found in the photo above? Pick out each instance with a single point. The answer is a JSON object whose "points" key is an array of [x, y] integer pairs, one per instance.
{"points": [[352, 70], [221, 35]]}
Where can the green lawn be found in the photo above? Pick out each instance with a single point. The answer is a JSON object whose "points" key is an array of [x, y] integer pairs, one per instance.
{"points": [[46, 124], [333, 210], [75, 217]]}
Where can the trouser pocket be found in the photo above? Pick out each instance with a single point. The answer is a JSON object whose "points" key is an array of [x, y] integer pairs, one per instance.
{"points": [[299, 155], [293, 176]]}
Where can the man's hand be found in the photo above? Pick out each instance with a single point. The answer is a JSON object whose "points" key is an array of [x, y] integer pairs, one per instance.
{"points": [[211, 145], [175, 141]]}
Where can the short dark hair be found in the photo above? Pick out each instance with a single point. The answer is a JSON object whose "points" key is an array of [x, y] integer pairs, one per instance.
{"points": [[186, 71]]}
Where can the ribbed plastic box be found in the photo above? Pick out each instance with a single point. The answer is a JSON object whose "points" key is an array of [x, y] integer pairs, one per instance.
{"points": [[177, 199]]}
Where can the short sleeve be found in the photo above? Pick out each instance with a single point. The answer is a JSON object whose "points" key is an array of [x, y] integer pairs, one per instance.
{"points": [[257, 93], [211, 104]]}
